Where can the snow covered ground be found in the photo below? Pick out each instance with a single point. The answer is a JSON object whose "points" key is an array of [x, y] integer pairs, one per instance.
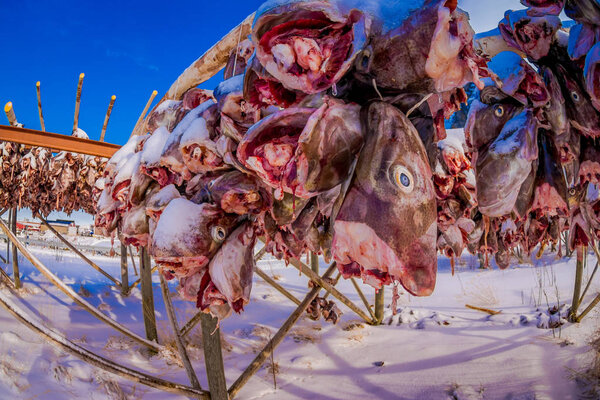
{"points": [[433, 348]]}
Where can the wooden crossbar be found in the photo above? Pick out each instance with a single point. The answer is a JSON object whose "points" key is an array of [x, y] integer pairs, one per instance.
{"points": [[57, 142]]}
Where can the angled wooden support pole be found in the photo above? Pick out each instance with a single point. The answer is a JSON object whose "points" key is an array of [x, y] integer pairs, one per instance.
{"points": [[147, 296], [276, 285], [213, 357], [15, 254], [124, 271], [138, 125], [328, 287], [178, 339], [132, 260], [279, 336], [66, 289], [363, 298], [107, 117], [79, 253]]}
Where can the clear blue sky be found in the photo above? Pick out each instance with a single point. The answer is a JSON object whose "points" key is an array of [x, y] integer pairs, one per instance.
{"points": [[125, 48]]}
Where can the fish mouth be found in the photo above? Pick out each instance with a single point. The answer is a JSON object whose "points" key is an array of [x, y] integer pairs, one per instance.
{"points": [[162, 175], [360, 252], [308, 46], [578, 234], [452, 61], [548, 202], [181, 267], [200, 157], [591, 132], [589, 171]]}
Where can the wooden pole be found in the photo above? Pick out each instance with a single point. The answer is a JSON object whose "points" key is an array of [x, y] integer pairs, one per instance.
{"points": [[137, 282], [7, 240], [589, 283], [278, 337], [93, 359], [314, 262], [7, 279], [124, 271], [66, 289], [213, 357], [379, 299], [328, 287], [77, 102], [190, 324], [577, 288], [80, 254], [276, 285], [15, 254], [335, 282], [132, 261], [143, 114], [39, 99], [178, 339], [147, 296], [363, 298], [10, 115], [589, 308], [107, 117]]}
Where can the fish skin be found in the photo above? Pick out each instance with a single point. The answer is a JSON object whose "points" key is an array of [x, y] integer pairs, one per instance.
{"points": [[402, 221], [584, 11], [502, 168], [485, 122]]}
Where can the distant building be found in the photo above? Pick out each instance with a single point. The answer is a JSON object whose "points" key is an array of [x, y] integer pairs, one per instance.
{"points": [[62, 226], [28, 226]]}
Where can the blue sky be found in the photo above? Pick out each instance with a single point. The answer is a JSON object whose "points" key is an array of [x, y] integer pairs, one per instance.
{"points": [[125, 48]]}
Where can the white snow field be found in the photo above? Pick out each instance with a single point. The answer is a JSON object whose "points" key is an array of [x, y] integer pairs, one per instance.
{"points": [[433, 348]]}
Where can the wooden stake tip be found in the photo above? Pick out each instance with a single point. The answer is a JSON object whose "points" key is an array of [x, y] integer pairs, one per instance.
{"points": [[81, 75], [8, 106], [155, 92], [37, 84], [113, 97]]}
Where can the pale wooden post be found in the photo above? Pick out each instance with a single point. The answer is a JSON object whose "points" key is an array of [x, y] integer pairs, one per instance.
{"points": [[213, 357], [15, 254], [379, 299], [124, 271], [147, 296]]}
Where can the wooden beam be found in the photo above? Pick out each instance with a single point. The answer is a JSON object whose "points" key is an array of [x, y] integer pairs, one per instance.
{"points": [[363, 298], [78, 102], [107, 117], [379, 300], [213, 357], [276, 285], [76, 251], [57, 142], [95, 360], [39, 99], [279, 336], [66, 289], [190, 324], [577, 286], [147, 296], [15, 254], [132, 260], [124, 271], [138, 125], [10, 114], [178, 339]]}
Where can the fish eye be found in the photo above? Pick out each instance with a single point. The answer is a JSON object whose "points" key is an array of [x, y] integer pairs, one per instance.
{"points": [[218, 233], [403, 179], [572, 191], [499, 111], [575, 96]]}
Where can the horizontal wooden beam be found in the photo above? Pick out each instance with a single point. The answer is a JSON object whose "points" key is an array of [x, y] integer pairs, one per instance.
{"points": [[57, 142]]}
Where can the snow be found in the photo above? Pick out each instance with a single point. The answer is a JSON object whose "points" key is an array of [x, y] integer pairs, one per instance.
{"points": [[231, 85], [196, 133], [433, 348], [154, 146]]}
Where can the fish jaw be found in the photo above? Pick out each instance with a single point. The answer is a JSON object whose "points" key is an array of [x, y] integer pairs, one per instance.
{"points": [[356, 242], [293, 49], [592, 75], [543, 7]]}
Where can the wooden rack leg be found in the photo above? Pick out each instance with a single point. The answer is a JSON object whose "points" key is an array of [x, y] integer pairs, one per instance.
{"points": [[147, 296], [314, 262], [213, 357], [577, 288], [589, 308], [124, 271], [379, 300], [132, 261], [15, 254], [7, 240], [278, 337], [363, 298], [178, 339]]}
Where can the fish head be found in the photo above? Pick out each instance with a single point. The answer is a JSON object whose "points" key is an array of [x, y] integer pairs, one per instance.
{"points": [[543, 7], [308, 45], [239, 193], [486, 121], [580, 111], [555, 112], [502, 168], [387, 223], [592, 75]]}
